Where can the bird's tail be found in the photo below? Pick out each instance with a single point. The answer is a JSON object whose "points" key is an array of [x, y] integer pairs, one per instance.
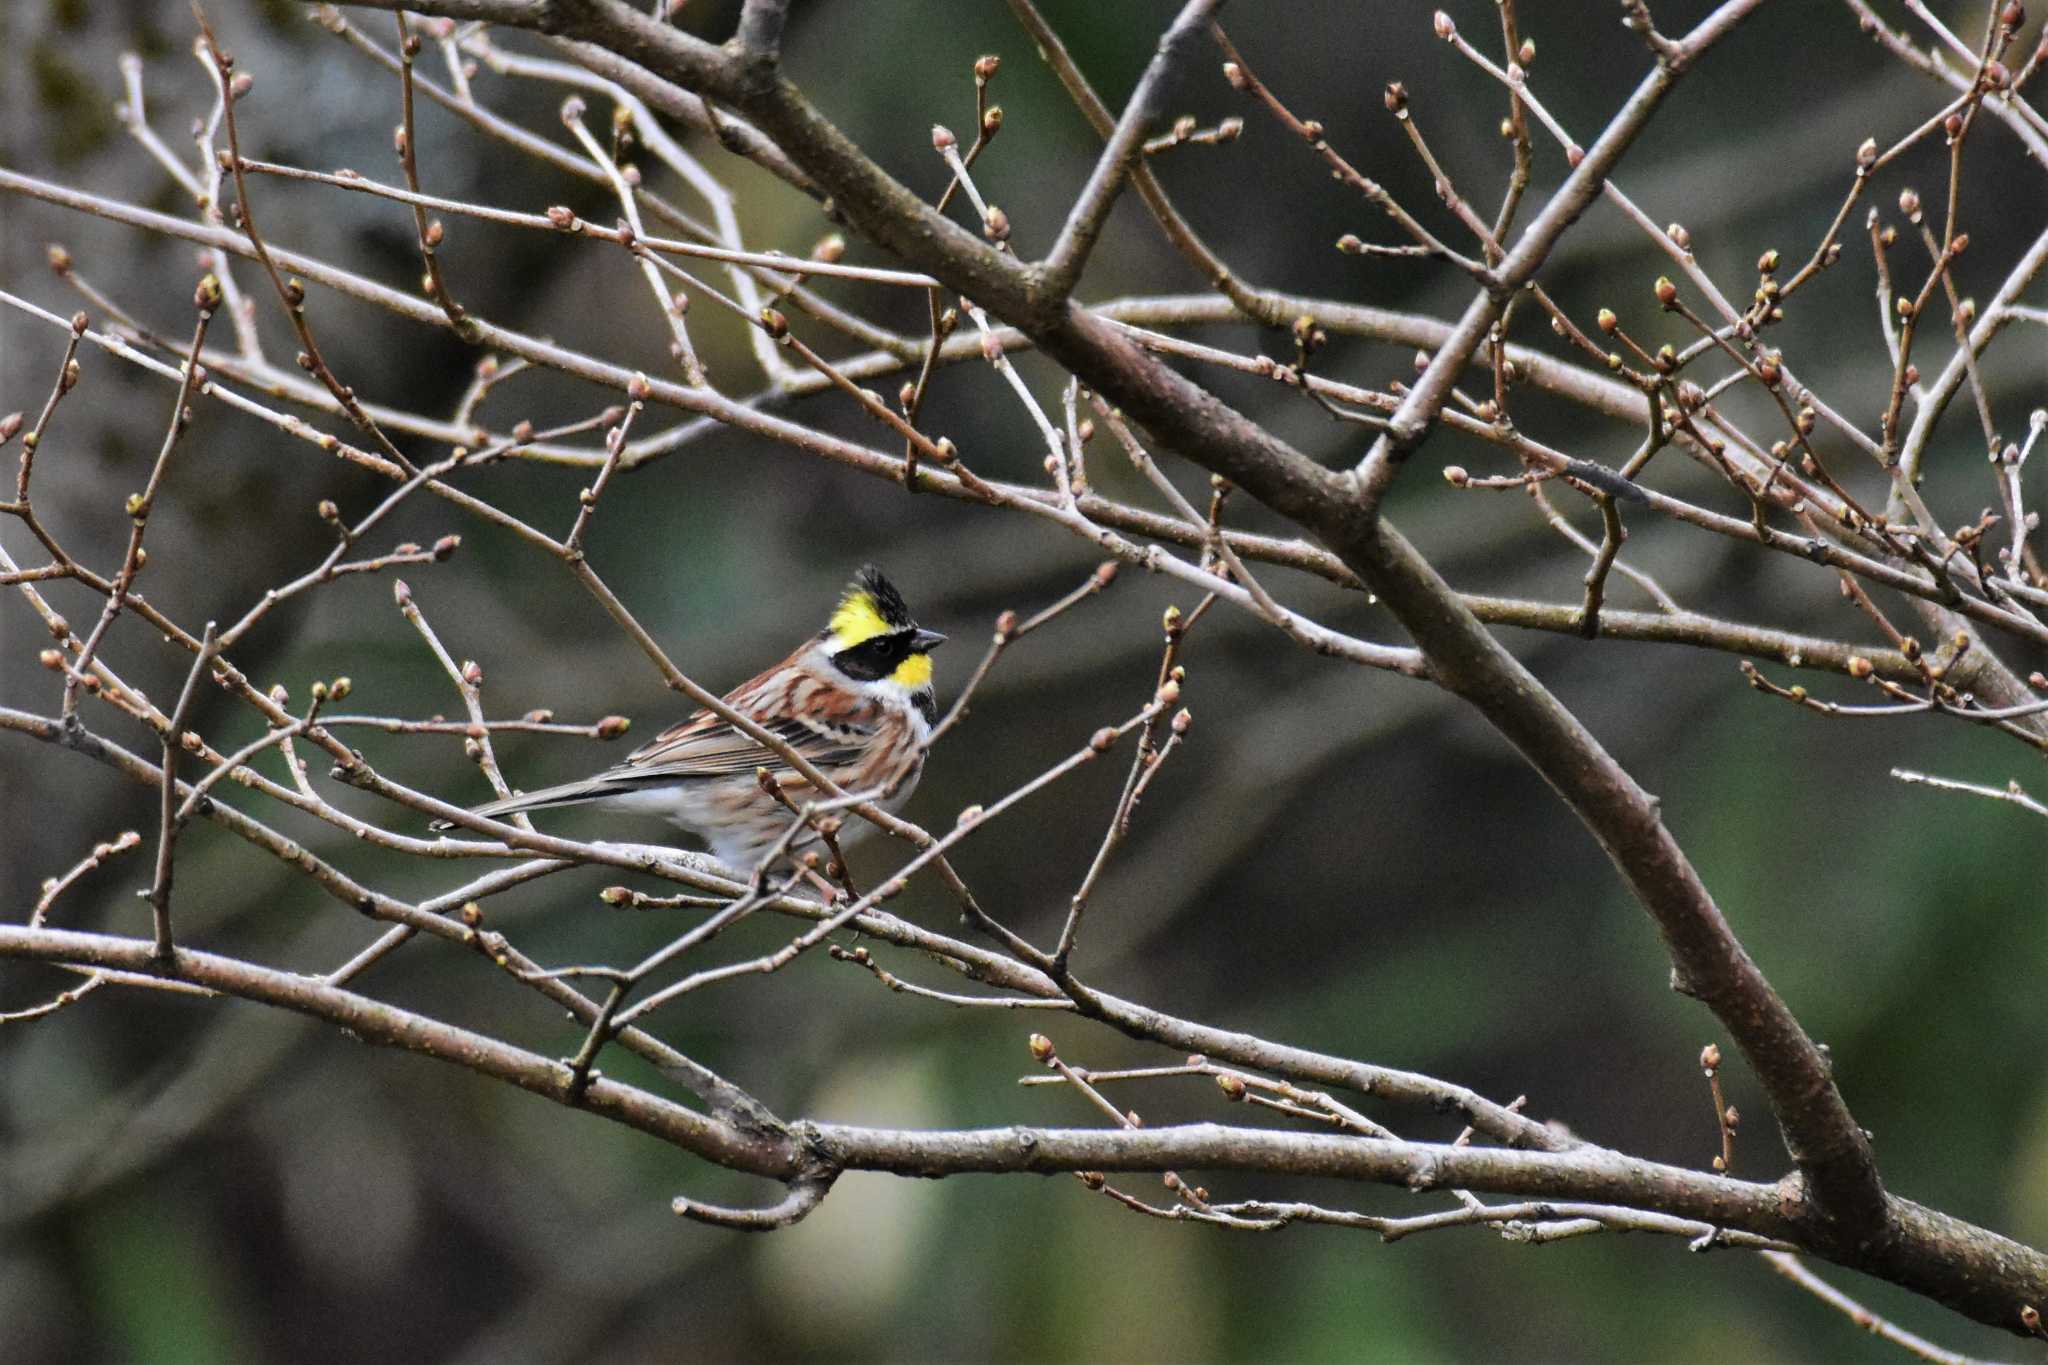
{"points": [[568, 794]]}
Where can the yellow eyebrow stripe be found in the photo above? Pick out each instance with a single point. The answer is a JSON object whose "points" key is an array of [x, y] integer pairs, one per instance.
{"points": [[857, 620]]}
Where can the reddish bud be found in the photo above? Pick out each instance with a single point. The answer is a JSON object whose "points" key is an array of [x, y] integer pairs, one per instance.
{"points": [[1041, 1048], [1445, 29], [942, 138]]}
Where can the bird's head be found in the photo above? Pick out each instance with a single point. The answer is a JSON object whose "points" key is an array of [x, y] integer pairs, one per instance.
{"points": [[871, 637]]}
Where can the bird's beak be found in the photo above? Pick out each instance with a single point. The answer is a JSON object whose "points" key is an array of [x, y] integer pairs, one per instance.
{"points": [[924, 640]]}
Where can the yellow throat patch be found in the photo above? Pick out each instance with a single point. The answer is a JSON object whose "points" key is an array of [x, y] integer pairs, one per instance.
{"points": [[856, 621], [914, 672]]}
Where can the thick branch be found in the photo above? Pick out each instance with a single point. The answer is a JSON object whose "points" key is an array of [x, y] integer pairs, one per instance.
{"points": [[1062, 268], [1967, 1268]]}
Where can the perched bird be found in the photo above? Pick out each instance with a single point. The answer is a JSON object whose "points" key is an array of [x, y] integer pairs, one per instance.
{"points": [[855, 700]]}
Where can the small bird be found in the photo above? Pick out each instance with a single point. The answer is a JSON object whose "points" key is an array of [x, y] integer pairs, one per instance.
{"points": [[855, 700]]}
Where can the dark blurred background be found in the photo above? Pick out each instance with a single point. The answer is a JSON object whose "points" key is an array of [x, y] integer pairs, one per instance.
{"points": [[1339, 858]]}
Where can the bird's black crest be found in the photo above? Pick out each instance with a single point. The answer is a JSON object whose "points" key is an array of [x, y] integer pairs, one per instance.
{"points": [[888, 602]]}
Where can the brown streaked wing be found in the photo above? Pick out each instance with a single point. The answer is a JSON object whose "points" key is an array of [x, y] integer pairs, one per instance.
{"points": [[828, 726]]}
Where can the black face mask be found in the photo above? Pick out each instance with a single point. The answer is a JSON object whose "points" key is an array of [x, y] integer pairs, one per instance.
{"points": [[877, 658]]}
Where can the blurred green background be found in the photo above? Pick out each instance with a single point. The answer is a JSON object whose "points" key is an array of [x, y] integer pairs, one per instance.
{"points": [[1339, 858]]}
